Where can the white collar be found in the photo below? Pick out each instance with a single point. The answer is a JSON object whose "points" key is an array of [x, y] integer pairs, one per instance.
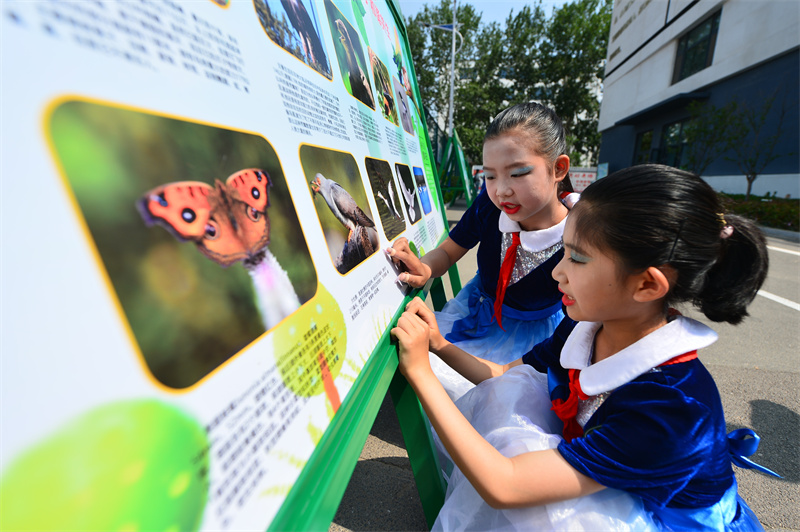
{"points": [[679, 336], [533, 240]]}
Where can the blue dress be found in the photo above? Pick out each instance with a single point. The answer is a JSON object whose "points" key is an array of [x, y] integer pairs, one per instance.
{"points": [[532, 304], [653, 433]]}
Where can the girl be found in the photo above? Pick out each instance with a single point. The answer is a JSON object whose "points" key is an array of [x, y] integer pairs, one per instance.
{"points": [[643, 426], [512, 302]]}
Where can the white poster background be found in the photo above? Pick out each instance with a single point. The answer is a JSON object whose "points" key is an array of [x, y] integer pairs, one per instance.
{"points": [[66, 349]]}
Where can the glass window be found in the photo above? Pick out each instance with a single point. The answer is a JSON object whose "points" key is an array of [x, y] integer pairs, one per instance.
{"points": [[673, 144], [644, 142], [696, 48]]}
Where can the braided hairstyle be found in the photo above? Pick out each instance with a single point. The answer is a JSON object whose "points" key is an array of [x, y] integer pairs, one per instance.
{"points": [[655, 215]]}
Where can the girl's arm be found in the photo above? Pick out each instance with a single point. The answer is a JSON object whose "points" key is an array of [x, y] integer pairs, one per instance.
{"points": [[435, 263], [472, 368], [528, 479]]}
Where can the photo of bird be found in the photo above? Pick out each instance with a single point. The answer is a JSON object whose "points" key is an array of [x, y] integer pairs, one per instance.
{"points": [[360, 86], [384, 189], [294, 26], [307, 32], [383, 89], [362, 238], [407, 187], [405, 111]]}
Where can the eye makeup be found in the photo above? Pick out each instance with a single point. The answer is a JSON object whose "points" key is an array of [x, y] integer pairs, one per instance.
{"points": [[521, 171]]}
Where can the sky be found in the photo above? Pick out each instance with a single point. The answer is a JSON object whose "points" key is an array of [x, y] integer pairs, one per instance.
{"points": [[492, 10]]}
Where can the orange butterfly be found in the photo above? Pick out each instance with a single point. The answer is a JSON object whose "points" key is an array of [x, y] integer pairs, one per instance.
{"points": [[228, 221]]}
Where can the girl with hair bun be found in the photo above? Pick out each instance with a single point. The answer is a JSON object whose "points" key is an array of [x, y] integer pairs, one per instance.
{"points": [[644, 443]]}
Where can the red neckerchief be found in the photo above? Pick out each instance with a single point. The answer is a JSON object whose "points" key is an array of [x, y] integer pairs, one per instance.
{"points": [[568, 410], [505, 276]]}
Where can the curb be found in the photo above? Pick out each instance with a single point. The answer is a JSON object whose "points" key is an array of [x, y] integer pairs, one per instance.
{"points": [[791, 236]]}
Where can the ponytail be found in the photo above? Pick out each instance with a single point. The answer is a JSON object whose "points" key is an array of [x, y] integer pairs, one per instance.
{"points": [[734, 279], [655, 215]]}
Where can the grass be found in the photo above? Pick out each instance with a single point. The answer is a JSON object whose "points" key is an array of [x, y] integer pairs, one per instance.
{"points": [[778, 213]]}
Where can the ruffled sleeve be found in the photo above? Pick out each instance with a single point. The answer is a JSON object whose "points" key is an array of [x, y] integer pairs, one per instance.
{"points": [[654, 440]]}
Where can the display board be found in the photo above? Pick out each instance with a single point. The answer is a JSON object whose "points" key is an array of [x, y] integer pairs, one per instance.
{"points": [[195, 200]]}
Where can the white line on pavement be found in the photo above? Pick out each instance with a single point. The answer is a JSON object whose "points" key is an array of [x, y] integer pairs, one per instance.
{"points": [[783, 250], [779, 299]]}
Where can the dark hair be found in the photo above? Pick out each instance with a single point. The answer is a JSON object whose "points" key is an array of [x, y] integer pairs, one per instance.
{"points": [[541, 122], [654, 215]]}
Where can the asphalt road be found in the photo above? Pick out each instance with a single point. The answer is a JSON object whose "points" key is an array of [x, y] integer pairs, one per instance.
{"points": [[757, 369]]}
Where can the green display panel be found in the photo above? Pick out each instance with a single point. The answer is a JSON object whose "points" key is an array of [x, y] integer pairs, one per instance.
{"points": [[196, 301]]}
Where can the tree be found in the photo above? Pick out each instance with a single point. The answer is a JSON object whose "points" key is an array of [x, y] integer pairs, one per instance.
{"points": [[753, 148], [708, 134], [563, 66], [558, 62]]}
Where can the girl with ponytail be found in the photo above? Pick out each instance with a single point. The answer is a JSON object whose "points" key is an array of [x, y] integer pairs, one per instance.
{"points": [[642, 441]]}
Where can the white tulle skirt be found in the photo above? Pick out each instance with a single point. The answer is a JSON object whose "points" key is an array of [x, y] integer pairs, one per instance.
{"points": [[502, 346], [513, 413]]}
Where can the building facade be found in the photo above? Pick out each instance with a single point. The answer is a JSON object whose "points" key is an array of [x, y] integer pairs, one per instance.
{"points": [[665, 54]]}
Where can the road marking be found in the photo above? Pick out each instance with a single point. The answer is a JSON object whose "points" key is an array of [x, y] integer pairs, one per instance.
{"points": [[789, 251], [779, 299]]}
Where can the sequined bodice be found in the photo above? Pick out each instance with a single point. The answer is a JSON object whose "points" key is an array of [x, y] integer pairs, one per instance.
{"points": [[526, 261]]}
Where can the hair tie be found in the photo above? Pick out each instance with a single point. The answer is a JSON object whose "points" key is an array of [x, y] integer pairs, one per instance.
{"points": [[721, 218], [726, 232]]}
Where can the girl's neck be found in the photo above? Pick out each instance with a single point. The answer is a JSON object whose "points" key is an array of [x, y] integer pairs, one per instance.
{"points": [[546, 218], [614, 336]]}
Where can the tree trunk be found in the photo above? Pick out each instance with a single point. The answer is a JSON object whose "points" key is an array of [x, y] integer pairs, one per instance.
{"points": [[750, 179]]}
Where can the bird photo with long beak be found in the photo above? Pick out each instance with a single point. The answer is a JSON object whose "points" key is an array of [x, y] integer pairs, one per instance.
{"points": [[341, 203], [294, 26], [350, 54]]}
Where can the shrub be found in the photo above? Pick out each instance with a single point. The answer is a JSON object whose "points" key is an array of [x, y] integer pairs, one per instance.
{"points": [[768, 211]]}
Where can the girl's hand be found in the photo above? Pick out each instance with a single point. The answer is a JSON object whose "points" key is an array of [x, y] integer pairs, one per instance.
{"points": [[416, 273], [436, 340], [412, 334]]}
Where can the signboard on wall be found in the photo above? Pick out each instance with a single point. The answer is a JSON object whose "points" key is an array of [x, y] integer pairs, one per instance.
{"points": [[196, 196], [582, 177]]}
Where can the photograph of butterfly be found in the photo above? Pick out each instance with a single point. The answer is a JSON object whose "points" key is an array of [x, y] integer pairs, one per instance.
{"points": [[229, 222], [196, 294]]}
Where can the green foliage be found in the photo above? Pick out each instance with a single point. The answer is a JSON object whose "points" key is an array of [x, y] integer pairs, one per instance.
{"points": [[558, 61], [753, 148], [771, 212], [708, 134]]}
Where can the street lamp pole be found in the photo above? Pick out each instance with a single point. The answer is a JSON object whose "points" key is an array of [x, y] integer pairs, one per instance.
{"points": [[452, 74], [453, 28]]}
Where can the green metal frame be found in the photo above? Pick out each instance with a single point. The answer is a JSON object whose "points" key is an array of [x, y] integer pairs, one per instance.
{"points": [[313, 500], [454, 176]]}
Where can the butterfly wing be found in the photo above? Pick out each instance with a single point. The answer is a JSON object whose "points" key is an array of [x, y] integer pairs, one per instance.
{"points": [[182, 207], [196, 211], [249, 191]]}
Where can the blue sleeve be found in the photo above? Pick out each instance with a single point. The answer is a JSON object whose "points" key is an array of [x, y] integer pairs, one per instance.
{"points": [[467, 232], [547, 353], [650, 439]]}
